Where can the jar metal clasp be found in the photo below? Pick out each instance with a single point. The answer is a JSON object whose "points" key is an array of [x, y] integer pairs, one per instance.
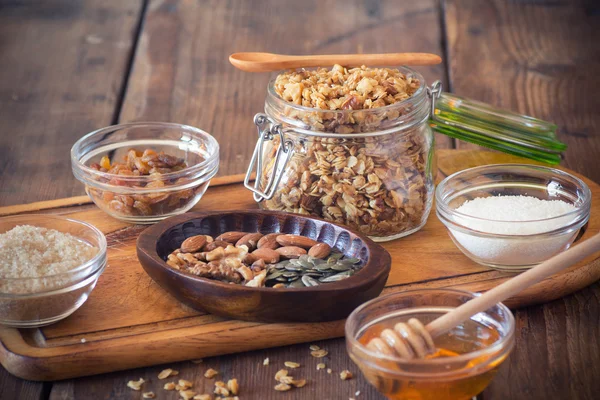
{"points": [[268, 129], [434, 92]]}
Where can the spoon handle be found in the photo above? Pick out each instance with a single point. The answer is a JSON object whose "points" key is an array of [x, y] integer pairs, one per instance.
{"points": [[265, 62], [356, 60], [514, 286]]}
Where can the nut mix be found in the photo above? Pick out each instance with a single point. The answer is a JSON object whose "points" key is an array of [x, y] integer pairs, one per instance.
{"points": [[379, 185], [274, 260], [139, 164]]}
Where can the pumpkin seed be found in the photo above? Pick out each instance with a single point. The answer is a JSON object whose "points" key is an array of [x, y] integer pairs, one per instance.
{"points": [[274, 274], [308, 281], [307, 271], [296, 284], [336, 277], [340, 267]]}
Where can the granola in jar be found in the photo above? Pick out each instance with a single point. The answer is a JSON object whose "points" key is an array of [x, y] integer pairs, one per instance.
{"points": [[362, 148]]}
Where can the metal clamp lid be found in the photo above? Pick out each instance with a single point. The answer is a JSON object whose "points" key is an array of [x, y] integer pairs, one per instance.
{"points": [[268, 129]]}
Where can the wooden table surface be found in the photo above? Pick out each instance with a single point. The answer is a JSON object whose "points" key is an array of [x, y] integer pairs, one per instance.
{"points": [[69, 67]]}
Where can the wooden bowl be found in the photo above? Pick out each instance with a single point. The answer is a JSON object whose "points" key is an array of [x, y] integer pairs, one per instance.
{"points": [[331, 301]]}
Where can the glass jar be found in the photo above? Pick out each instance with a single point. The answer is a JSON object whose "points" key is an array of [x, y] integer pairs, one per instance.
{"points": [[369, 169]]}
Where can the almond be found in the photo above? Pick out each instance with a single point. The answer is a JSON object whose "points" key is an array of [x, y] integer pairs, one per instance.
{"points": [[249, 259], [296, 240], [231, 237], [291, 251], [250, 240], [269, 241], [258, 265], [269, 256], [217, 243], [319, 250], [193, 244]]}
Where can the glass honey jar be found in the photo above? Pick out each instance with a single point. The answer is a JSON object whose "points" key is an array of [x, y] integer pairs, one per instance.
{"points": [[467, 357]]}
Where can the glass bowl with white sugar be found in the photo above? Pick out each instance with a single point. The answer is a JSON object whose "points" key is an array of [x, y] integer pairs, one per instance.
{"points": [[49, 265], [512, 216]]}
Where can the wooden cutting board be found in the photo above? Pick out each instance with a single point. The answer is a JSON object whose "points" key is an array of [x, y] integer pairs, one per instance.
{"points": [[129, 321]]}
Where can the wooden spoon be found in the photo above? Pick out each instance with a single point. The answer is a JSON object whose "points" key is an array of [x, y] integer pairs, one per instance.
{"points": [[263, 62], [413, 339]]}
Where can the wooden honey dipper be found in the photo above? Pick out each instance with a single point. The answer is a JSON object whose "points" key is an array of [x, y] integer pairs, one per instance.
{"points": [[414, 340]]}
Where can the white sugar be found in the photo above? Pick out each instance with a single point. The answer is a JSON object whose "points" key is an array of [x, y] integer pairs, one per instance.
{"points": [[514, 208], [513, 215]]}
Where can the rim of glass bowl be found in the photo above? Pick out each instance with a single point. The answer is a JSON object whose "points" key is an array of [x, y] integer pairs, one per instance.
{"points": [[99, 258], [580, 213], [77, 153], [408, 120], [496, 347]]}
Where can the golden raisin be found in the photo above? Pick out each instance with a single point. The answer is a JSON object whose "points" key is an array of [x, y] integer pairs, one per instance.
{"points": [[105, 162]]}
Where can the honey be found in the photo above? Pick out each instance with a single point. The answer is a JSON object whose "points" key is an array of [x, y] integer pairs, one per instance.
{"points": [[444, 375]]}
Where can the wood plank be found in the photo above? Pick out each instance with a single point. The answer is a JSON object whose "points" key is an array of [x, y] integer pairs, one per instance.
{"points": [[540, 58], [63, 64], [181, 71], [256, 381], [15, 388], [130, 321], [557, 351]]}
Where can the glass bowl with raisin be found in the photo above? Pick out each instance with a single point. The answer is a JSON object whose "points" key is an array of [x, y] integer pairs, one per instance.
{"points": [[145, 172]]}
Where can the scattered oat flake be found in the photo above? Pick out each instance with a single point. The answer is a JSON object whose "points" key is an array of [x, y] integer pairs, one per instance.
{"points": [[83, 340], [319, 353], [165, 373], [202, 397], [221, 389], [136, 385], [321, 366], [282, 387], [184, 384], [233, 386], [211, 373], [291, 364], [357, 393], [187, 394], [329, 370], [286, 379], [299, 383], [314, 347], [345, 375], [266, 361], [148, 395], [280, 374], [169, 386]]}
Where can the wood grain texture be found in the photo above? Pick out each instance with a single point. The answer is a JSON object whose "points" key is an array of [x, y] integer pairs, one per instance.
{"points": [[256, 381], [129, 321], [14, 388], [540, 58], [63, 66], [182, 73]]}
